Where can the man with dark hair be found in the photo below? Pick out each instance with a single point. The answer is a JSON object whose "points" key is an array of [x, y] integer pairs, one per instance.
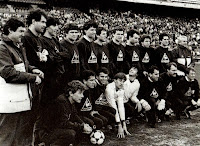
{"points": [[146, 54], [170, 79], [153, 94], [131, 88], [54, 64], [36, 55], [115, 95], [15, 93], [100, 103], [163, 54], [117, 52], [87, 52], [36, 21], [86, 107], [188, 91], [59, 123], [71, 57], [103, 56], [132, 49]]}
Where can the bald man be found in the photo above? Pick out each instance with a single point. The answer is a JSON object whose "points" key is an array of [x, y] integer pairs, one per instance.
{"points": [[182, 55]]}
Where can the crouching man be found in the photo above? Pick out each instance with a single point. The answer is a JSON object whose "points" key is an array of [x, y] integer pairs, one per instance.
{"points": [[115, 95], [152, 95], [60, 124], [189, 91]]}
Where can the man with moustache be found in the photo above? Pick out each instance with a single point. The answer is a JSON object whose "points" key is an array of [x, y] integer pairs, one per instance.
{"points": [[163, 54], [71, 54], [153, 93], [171, 79], [15, 77], [117, 52], [54, 65], [87, 52]]}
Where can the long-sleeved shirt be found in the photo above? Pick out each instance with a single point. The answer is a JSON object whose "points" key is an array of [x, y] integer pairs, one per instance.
{"points": [[131, 89], [115, 99]]}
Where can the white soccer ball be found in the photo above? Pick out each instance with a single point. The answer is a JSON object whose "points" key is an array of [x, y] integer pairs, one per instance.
{"points": [[97, 137]]}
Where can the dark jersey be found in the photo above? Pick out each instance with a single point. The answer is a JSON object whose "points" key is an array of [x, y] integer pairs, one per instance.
{"points": [[33, 45], [188, 89], [162, 57], [133, 56], [118, 55], [71, 61], [149, 89], [88, 55], [147, 58]]}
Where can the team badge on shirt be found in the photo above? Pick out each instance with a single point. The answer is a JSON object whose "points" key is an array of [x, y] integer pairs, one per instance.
{"points": [[87, 105], [189, 92], [120, 56], [135, 56], [101, 100], [165, 58], [146, 58], [93, 58], [104, 58], [75, 58], [169, 87], [154, 93]]}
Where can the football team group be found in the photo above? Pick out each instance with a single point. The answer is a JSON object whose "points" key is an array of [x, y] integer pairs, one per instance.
{"points": [[56, 92]]}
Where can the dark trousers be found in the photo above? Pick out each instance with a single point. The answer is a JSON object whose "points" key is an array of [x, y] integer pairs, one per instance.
{"points": [[98, 121], [61, 137], [130, 110], [153, 113], [13, 131], [107, 112]]}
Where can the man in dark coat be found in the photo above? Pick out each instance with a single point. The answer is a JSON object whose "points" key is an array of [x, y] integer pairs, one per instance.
{"points": [[15, 93]]}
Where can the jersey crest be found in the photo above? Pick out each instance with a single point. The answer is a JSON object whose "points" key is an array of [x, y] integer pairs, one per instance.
{"points": [[169, 87], [75, 58], [87, 106], [135, 56], [146, 58], [165, 58], [101, 100], [104, 58], [120, 56], [189, 92], [93, 58], [154, 93]]}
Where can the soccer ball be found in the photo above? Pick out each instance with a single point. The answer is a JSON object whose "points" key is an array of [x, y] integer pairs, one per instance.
{"points": [[97, 137]]}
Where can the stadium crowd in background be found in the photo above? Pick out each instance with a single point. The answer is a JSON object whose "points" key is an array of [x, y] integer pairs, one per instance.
{"points": [[95, 71]]}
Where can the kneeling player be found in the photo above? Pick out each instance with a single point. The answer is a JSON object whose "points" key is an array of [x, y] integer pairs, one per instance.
{"points": [[59, 124], [131, 87], [189, 91], [152, 93]]}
